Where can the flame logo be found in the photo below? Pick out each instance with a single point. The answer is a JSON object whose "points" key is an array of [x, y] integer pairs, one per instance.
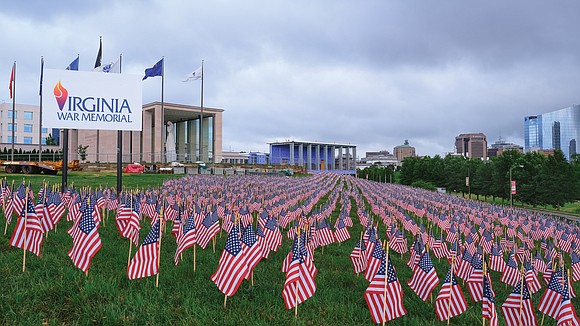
{"points": [[61, 95]]}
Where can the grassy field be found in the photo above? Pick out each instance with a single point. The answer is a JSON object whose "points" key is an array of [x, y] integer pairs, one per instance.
{"points": [[53, 291]]}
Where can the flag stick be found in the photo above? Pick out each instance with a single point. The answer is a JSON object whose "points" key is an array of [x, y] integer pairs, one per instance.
{"points": [[521, 301], [386, 245], [296, 283], [252, 276], [25, 220], [450, 289], [161, 216], [194, 250], [213, 243], [130, 249]]}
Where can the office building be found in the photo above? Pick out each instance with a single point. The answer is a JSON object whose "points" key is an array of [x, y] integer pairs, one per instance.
{"points": [[556, 130], [404, 151], [473, 145]]}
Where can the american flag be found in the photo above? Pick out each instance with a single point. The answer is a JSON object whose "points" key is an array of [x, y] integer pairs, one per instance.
{"points": [[488, 304], [532, 278], [357, 257], [29, 221], [251, 247], [272, 234], [8, 204], [517, 308], [510, 274], [384, 308], [131, 229], [207, 229], [475, 280], [186, 238], [19, 199], [146, 261], [575, 266], [55, 207], [374, 261], [552, 297], [341, 232], [86, 242], [324, 234], [539, 263], [232, 266], [42, 211], [567, 313], [424, 279], [450, 302], [465, 268], [299, 284]]}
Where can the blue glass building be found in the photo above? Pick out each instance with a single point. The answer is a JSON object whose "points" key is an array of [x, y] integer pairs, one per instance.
{"points": [[558, 129]]}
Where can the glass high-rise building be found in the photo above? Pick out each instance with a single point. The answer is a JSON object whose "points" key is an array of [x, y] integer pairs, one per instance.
{"points": [[558, 129]]}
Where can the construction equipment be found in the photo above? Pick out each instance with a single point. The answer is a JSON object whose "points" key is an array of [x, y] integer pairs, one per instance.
{"points": [[46, 167]]}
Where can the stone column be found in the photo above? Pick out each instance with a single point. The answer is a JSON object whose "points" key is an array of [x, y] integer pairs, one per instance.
{"points": [[348, 158], [317, 158], [291, 162], [340, 167], [180, 138], [158, 136], [354, 157], [192, 140], [309, 157], [206, 139]]}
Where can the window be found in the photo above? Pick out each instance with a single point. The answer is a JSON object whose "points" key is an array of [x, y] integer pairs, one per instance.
{"points": [[10, 127], [10, 114], [27, 127], [10, 139], [44, 141], [44, 130], [27, 115], [28, 140]]}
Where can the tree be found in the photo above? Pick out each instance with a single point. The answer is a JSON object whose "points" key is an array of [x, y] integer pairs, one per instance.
{"points": [[82, 151], [50, 140], [557, 179]]}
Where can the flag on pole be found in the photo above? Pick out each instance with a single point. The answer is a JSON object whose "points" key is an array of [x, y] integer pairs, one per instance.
{"points": [[74, 65], [424, 279], [488, 304], [86, 242], [100, 53], [552, 297], [385, 301], [517, 308], [450, 302], [113, 67], [567, 313], [146, 260], [33, 232], [299, 285], [232, 266], [10, 86], [186, 238], [156, 70], [195, 75]]}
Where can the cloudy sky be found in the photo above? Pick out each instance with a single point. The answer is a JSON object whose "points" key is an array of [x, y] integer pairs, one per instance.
{"points": [[370, 73]]}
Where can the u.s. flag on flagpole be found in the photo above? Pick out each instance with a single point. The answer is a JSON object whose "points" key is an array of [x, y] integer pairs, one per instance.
{"points": [[232, 266], [146, 261], [384, 308], [86, 242]]}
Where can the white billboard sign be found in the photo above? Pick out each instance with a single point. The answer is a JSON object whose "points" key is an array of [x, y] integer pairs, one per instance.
{"points": [[91, 100]]}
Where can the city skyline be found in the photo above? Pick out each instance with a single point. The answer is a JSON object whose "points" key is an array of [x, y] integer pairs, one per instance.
{"points": [[371, 75]]}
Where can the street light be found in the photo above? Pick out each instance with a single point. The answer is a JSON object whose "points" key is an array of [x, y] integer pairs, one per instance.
{"points": [[510, 185]]}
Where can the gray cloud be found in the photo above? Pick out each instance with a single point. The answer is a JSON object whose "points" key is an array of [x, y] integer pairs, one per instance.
{"points": [[370, 73]]}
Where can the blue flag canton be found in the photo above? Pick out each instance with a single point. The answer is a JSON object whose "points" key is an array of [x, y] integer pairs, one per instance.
{"points": [[207, 221], [233, 245], [477, 262], [425, 262], [450, 278], [249, 237], [153, 235], [271, 224], [555, 284], [340, 224], [296, 252], [524, 292], [487, 289], [511, 261], [189, 225], [87, 223], [391, 274]]}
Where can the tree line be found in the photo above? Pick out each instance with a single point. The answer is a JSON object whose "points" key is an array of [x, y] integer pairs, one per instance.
{"points": [[540, 179]]}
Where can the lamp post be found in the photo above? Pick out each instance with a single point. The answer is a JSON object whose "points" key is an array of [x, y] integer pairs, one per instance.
{"points": [[510, 184]]}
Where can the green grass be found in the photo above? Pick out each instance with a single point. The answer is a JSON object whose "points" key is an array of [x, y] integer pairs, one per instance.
{"points": [[53, 291]]}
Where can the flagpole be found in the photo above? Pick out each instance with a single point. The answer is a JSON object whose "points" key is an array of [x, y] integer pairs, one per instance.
{"points": [[40, 114], [161, 216], [120, 148], [25, 220], [450, 289], [98, 64], [201, 119], [521, 300], [13, 86], [386, 244], [163, 158]]}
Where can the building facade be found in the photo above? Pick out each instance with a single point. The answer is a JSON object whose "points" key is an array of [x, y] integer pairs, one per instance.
{"points": [[554, 130], [147, 145], [315, 156], [383, 158], [404, 151], [27, 128], [500, 146], [472, 145]]}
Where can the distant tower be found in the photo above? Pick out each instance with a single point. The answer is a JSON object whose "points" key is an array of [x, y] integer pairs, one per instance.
{"points": [[404, 151], [471, 145]]}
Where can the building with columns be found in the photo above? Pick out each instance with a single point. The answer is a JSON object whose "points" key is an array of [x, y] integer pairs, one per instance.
{"points": [[191, 145], [315, 156]]}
